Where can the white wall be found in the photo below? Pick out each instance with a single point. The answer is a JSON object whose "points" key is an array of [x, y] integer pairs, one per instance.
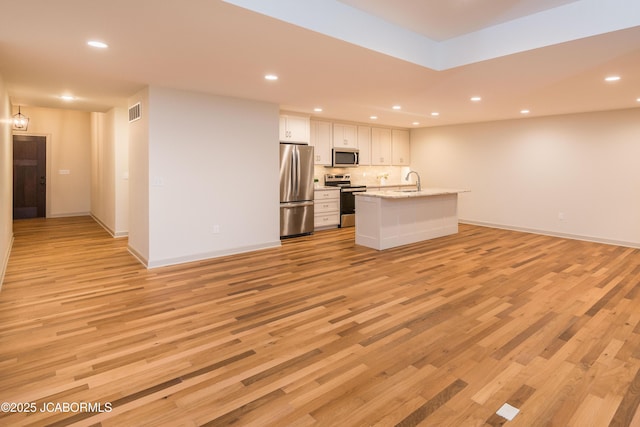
{"points": [[68, 134], [109, 170], [526, 174], [121, 134], [213, 161], [138, 136], [6, 180], [102, 167]]}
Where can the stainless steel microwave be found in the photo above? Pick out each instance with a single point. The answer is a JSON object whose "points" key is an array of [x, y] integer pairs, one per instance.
{"points": [[345, 157]]}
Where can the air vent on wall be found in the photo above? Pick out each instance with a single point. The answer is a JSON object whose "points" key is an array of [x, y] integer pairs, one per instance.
{"points": [[134, 112]]}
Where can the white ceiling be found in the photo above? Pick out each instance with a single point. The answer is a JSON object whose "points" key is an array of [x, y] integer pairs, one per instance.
{"points": [[441, 20], [354, 58]]}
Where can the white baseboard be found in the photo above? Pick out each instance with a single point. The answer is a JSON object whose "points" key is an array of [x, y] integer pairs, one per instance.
{"points": [[138, 256], [5, 261], [207, 255], [113, 233], [67, 215], [634, 245]]}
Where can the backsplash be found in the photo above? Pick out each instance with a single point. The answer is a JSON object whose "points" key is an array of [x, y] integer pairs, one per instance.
{"points": [[369, 175]]}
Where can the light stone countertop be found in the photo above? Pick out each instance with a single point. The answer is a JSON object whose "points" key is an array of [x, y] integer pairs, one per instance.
{"points": [[406, 194]]}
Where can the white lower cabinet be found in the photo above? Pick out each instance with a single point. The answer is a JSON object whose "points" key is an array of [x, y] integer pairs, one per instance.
{"points": [[326, 208]]}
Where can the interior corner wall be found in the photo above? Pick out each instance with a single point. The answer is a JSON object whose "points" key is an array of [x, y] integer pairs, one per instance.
{"points": [[121, 134], [102, 171], [138, 140], [6, 180], [572, 175], [109, 167], [213, 169]]}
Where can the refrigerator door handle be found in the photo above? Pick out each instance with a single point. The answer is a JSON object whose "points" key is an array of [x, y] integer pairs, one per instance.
{"points": [[296, 204], [294, 174], [298, 172], [294, 186]]}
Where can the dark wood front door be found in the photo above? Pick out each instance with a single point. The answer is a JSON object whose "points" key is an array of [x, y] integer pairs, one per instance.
{"points": [[29, 176]]}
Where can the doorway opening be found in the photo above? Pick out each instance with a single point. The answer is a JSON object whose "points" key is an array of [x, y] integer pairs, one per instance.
{"points": [[29, 176]]}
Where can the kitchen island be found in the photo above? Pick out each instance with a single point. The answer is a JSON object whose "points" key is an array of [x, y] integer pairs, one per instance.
{"points": [[386, 219]]}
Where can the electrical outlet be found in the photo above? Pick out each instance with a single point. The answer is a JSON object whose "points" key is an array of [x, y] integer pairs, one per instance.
{"points": [[561, 216], [216, 229]]}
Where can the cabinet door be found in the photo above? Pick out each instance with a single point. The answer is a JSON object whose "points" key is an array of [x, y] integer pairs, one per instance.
{"points": [[364, 145], [400, 147], [345, 136], [380, 146], [294, 129], [321, 141], [283, 129], [326, 194]]}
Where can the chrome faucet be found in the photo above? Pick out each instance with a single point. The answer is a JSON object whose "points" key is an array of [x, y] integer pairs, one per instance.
{"points": [[418, 176]]}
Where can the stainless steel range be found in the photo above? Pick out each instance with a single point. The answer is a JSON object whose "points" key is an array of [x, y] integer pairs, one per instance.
{"points": [[347, 196]]}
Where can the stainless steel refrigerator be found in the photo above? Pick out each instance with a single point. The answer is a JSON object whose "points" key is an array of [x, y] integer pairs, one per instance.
{"points": [[296, 189]]}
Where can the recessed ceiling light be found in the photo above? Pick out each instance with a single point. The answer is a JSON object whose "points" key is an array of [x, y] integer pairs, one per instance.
{"points": [[415, 123], [67, 97], [98, 44], [476, 99], [524, 111], [435, 114], [397, 107], [612, 78], [373, 117], [638, 99], [318, 110], [271, 77]]}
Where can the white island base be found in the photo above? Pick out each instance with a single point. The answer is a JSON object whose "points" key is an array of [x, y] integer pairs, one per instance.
{"points": [[386, 219]]}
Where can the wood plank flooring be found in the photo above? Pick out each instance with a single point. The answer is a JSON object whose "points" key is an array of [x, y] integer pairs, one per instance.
{"points": [[320, 332]]}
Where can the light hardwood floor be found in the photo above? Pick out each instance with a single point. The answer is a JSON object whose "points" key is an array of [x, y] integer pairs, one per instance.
{"points": [[322, 332]]}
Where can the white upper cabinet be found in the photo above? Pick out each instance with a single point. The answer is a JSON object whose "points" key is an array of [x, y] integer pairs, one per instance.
{"points": [[380, 146], [364, 145], [345, 136], [294, 129], [321, 141], [400, 147]]}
